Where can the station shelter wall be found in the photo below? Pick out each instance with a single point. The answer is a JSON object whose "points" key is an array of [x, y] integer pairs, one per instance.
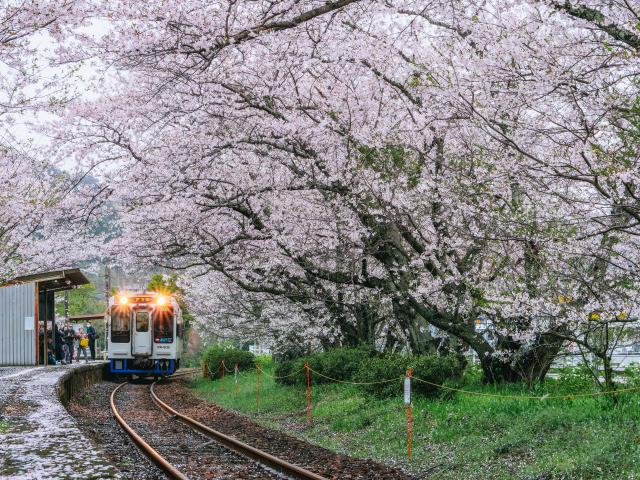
{"points": [[18, 325]]}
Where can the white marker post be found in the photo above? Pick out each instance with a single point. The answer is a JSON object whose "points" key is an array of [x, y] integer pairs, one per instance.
{"points": [[407, 390], [235, 386], [407, 402]]}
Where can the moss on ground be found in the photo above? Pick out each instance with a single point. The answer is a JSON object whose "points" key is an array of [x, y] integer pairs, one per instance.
{"points": [[4, 426]]}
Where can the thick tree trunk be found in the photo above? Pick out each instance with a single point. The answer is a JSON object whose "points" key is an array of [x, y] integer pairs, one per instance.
{"points": [[502, 360], [363, 331], [608, 374], [495, 370], [609, 384], [416, 330], [528, 362]]}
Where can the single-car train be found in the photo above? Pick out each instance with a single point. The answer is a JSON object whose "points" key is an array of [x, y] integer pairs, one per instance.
{"points": [[145, 333]]}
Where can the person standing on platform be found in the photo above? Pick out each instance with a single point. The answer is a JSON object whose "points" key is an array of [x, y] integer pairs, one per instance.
{"points": [[83, 344], [91, 333], [69, 335], [58, 342]]}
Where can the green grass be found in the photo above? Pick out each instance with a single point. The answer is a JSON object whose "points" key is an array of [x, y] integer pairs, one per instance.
{"points": [[457, 436]]}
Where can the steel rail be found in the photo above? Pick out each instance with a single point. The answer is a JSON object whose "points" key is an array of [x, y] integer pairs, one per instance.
{"points": [[264, 458], [147, 449]]}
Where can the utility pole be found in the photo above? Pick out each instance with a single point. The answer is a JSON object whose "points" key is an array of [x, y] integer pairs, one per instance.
{"points": [[107, 294], [66, 305], [107, 285]]}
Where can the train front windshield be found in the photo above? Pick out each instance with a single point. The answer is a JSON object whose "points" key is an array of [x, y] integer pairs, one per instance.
{"points": [[120, 324], [163, 325]]}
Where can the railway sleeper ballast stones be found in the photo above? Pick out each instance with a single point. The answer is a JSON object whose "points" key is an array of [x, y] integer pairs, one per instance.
{"points": [[178, 449]]}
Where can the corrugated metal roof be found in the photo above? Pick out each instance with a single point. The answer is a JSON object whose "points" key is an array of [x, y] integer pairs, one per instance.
{"points": [[75, 275], [60, 279]]}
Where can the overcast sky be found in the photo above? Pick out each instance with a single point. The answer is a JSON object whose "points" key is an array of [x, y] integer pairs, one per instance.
{"points": [[21, 130]]}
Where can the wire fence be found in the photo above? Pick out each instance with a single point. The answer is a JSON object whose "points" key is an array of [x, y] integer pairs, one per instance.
{"points": [[408, 379], [301, 371]]}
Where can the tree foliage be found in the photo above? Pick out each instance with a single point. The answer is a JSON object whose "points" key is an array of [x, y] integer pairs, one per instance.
{"points": [[82, 300], [369, 171]]}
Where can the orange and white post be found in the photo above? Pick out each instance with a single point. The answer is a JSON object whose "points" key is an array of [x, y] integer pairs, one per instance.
{"points": [[407, 402], [235, 378], [306, 367]]}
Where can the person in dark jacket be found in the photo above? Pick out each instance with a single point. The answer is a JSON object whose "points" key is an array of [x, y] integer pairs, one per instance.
{"points": [[58, 343], [69, 335], [91, 333]]}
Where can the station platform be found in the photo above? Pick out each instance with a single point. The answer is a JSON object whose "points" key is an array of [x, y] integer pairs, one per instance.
{"points": [[38, 437]]}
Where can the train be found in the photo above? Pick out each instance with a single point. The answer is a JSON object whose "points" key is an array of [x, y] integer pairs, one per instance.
{"points": [[144, 334]]}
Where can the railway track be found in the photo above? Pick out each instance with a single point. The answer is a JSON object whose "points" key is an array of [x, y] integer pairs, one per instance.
{"points": [[273, 467]]}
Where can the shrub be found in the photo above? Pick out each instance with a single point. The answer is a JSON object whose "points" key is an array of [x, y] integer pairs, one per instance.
{"points": [[431, 368], [290, 372], [375, 369], [338, 363], [632, 372], [215, 354], [576, 379], [265, 361], [361, 365], [434, 369]]}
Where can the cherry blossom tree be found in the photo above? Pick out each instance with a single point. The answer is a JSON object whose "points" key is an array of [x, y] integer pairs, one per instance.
{"points": [[29, 186], [376, 171]]}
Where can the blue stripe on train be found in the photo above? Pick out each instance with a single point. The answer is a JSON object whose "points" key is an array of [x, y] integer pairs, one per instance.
{"points": [[157, 370]]}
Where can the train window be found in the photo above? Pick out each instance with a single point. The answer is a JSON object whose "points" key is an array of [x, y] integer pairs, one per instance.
{"points": [[120, 324], [142, 321], [163, 325]]}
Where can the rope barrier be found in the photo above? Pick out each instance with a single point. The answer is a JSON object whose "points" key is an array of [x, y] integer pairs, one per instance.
{"points": [[355, 383], [283, 376], [570, 396], [408, 378], [484, 394]]}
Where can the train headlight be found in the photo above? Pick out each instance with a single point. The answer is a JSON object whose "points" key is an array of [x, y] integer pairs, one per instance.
{"points": [[161, 300], [124, 300]]}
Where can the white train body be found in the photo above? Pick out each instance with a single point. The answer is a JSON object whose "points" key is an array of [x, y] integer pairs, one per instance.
{"points": [[144, 333]]}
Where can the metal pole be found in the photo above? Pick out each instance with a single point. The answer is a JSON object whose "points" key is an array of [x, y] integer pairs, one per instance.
{"points": [[66, 305], [107, 294], [44, 342]]}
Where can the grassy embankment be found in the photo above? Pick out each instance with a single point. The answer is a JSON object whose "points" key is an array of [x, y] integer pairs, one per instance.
{"points": [[456, 436]]}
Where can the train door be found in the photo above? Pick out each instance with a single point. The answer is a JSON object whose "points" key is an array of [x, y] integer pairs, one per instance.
{"points": [[142, 334]]}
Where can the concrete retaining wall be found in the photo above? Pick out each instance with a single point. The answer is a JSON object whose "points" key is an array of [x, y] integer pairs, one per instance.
{"points": [[79, 378]]}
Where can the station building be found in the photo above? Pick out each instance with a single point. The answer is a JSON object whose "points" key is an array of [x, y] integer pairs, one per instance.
{"points": [[27, 315]]}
